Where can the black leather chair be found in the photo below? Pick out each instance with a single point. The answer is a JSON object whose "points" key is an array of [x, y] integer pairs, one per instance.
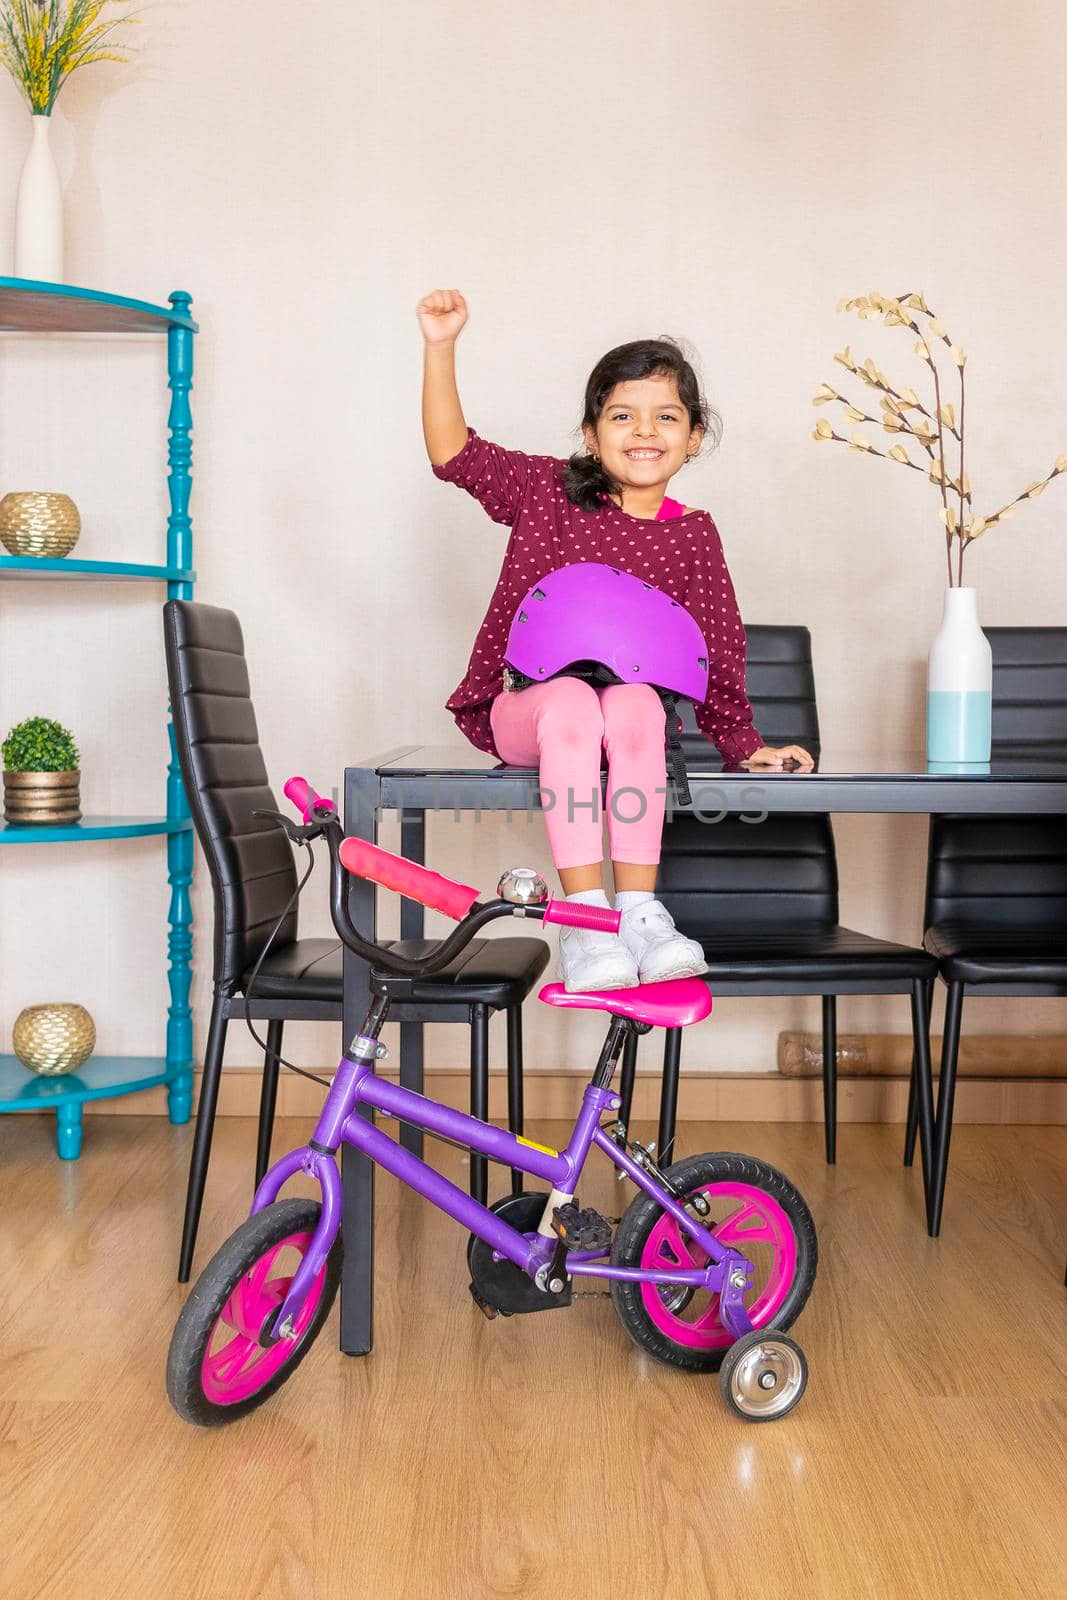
{"points": [[253, 876], [996, 887], [762, 897]]}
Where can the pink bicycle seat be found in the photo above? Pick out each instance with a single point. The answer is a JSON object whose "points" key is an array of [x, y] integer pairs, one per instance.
{"points": [[673, 1004]]}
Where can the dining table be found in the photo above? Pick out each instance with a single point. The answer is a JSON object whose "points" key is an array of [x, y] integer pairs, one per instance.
{"points": [[414, 779]]}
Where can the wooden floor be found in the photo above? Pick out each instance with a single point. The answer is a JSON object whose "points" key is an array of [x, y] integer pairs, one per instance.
{"points": [[542, 1455]]}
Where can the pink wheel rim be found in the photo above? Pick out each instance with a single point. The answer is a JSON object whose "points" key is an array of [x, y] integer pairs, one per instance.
{"points": [[756, 1218], [240, 1366]]}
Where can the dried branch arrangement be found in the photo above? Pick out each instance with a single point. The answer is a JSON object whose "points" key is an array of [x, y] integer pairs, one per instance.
{"points": [[930, 432]]}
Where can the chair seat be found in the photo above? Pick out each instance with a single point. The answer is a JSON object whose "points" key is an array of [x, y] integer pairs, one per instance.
{"points": [[760, 953], [492, 972], [304, 969], [973, 953], [671, 1004]]}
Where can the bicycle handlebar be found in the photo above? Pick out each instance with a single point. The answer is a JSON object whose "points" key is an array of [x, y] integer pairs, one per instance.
{"points": [[304, 798], [572, 914], [367, 860], [457, 900]]}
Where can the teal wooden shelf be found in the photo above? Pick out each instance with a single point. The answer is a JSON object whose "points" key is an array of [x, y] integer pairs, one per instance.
{"points": [[27, 306], [91, 828], [100, 1078], [60, 567]]}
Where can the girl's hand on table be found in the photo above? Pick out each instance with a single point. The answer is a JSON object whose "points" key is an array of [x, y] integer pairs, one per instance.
{"points": [[770, 756], [442, 314]]}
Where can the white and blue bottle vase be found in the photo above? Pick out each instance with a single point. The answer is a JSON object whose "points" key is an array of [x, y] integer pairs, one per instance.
{"points": [[959, 684]]}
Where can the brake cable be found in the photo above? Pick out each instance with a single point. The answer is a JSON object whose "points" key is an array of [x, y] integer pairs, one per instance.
{"points": [[250, 986]]}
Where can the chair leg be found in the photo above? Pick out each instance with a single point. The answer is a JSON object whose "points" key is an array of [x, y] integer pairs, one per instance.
{"points": [[479, 1095], [626, 1088], [515, 1106], [829, 1075], [268, 1095], [205, 1123], [946, 1094], [922, 1087], [668, 1102], [912, 1121]]}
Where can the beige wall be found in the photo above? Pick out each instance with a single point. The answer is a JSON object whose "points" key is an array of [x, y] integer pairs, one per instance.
{"points": [[586, 174]]}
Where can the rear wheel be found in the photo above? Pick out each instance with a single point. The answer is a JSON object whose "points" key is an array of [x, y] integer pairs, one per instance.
{"points": [[752, 1208], [217, 1370]]}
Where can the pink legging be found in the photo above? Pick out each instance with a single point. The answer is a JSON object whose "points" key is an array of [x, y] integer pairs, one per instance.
{"points": [[561, 727]]}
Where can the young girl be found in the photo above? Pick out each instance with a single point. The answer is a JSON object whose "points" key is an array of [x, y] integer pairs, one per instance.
{"points": [[644, 419]]}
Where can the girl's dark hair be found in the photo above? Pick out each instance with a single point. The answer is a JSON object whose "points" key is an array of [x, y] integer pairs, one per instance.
{"points": [[584, 479]]}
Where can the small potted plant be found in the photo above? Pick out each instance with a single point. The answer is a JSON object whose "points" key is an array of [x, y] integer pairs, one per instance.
{"points": [[41, 776]]}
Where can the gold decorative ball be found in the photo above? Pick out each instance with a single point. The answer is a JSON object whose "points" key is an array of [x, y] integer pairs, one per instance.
{"points": [[55, 1038], [39, 524]]}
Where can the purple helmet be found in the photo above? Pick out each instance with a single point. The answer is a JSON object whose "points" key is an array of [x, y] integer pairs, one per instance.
{"points": [[588, 612]]}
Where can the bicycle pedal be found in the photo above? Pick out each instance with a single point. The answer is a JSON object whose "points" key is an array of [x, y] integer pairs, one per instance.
{"points": [[488, 1312], [581, 1230]]}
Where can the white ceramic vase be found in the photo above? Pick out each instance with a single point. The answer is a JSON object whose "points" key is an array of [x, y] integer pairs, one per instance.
{"points": [[39, 211], [959, 684]]}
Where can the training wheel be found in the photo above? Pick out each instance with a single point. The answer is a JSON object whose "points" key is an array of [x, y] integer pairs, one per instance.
{"points": [[763, 1375]]}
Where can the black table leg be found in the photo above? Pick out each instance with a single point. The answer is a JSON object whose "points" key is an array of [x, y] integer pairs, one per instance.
{"points": [[362, 792], [412, 926]]}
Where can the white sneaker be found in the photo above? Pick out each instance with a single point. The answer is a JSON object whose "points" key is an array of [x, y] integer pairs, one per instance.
{"points": [[660, 951], [590, 960]]}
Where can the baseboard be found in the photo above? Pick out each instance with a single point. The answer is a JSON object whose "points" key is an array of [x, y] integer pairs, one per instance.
{"points": [[703, 1097]]}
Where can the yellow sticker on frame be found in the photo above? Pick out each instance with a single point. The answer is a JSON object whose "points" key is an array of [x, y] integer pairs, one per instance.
{"points": [[546, 1150]]}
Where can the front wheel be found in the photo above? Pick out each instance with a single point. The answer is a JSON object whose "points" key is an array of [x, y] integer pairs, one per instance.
{"points": [[217, 1370], [749, 1206]]}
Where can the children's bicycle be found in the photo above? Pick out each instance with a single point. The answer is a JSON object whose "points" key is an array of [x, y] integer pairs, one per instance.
{"points": [[713, 1260]]}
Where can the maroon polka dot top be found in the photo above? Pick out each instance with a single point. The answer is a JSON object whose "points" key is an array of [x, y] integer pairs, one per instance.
{"points": [[682, 556]]}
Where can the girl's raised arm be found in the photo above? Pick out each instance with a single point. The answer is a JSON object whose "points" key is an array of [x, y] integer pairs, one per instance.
{"points": [[441, 314]]}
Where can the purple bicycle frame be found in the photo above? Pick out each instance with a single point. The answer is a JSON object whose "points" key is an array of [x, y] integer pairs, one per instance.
{"points": [[728, 1274]]}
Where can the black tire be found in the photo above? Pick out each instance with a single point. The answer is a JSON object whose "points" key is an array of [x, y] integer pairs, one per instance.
{"points": [[642, 1215], [208, 1296], [786, 1363]]}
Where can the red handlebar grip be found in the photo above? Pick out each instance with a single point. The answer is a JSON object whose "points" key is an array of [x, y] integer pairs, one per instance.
{"points": [[407, 877], [303, 796], [573, 914]]}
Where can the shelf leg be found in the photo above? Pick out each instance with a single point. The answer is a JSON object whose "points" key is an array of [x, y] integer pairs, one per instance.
{"points": [[69, 1129], [179, 845], [179, 949]]}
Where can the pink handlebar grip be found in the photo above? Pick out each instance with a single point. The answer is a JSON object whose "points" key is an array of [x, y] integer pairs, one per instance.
{"points": [[303, 796], [407, 877], [573, 914]]}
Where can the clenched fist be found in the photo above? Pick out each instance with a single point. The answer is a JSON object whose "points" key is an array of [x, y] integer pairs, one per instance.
{"points": [[442, 314]]}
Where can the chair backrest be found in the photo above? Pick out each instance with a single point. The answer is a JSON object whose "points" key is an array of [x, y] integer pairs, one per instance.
{"points": [[781, 871], [251, 861], [1010, 872], [781, 688], [1029, 689]]}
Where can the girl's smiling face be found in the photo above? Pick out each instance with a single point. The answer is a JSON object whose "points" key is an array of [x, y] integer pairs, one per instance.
{"points": [[643, 435]]}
